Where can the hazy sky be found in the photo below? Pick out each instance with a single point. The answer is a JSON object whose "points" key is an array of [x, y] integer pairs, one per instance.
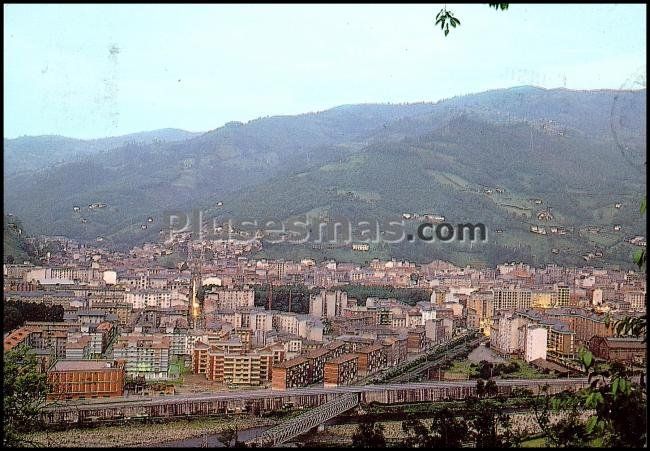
{"points": [[103, 70]]}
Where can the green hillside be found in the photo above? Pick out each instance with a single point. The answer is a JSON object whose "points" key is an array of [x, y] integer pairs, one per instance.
{"points": [[375, 162], [15, 248]]}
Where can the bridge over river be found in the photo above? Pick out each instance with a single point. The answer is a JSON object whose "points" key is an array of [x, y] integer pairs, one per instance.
{"points": [[258, 401]]}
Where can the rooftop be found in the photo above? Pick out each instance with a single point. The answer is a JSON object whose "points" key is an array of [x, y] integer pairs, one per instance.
{"points": [[82, 365], [342, 359]]}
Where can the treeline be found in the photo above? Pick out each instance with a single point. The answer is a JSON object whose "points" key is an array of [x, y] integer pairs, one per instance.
{"points": [[299, 297], [410, 296], [17, 312]]}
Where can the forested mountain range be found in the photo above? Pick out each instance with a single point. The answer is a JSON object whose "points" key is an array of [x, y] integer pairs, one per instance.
{"points": [[560, 151]]}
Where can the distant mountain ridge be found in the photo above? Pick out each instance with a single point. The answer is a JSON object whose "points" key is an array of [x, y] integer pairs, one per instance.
{"points": [[37, 152], [372, 160]]}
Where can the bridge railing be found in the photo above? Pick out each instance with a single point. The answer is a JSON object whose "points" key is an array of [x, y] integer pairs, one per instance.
{"points": [[304, 422]]}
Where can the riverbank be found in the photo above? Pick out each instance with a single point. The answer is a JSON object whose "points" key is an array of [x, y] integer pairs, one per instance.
{"points": [[341, 434], [151, 434]]}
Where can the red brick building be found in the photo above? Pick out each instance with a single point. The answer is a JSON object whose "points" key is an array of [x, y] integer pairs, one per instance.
{"points": [[416, 340], [291, 373], [396, 349], [79, 379], [341, 371], [371, 359], [630, 350]]}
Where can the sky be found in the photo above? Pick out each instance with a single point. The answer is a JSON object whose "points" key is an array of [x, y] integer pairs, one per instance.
{"points": [[90, 71]]}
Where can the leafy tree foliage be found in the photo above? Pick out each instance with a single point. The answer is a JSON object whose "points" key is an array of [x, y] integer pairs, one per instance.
{"points": [[564, 431], [616, 394], [445, 17], [490, 425], [408, 295], [480, 423], [446, 431], [17, 312], [486, 389], [620, 401], [229, 437], [24, 391], [369, 434], [636, 325], [299, 295]]}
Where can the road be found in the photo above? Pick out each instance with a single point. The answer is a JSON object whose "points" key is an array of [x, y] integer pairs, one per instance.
{"points": [[435, 358]]}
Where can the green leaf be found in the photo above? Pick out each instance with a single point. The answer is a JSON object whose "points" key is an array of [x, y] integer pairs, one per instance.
{"points": [[598, 398], [591, 423], [642, 208], [639, 257], [587, 359], [615, 385], [626, 386], [447, 31]]}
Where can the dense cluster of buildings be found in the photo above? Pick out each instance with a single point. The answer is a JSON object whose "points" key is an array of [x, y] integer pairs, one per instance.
{"points": [[134, 316]]}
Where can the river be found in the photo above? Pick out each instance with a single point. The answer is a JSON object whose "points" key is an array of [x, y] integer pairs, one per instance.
{"points": [[212, 440]]}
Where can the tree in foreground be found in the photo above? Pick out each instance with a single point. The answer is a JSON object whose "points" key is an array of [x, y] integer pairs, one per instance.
{"points": [[480, 423], [446, 431], [24, 390], [369, 434]]}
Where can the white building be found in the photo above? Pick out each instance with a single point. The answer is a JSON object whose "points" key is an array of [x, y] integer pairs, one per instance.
{"points": [[597, 297], [536, 339], [328, 304], [636, 300], [224, 299], [110, 277], [140, 299], [505, 334]]}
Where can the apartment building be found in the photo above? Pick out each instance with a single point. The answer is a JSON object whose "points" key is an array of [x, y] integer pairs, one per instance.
{"points": [[159, 298], [636, 299], [242, 369], [145, 355], [260, 319], [416, 340], [396, 349], [48, 297], [561, 338], [480, 309], [42, 336], [291, 374], [329, 304], [228, 299], [341, 371], [563, 296], [511, 298], [121, 310], [439, 330], [372, 359], [504, 335], [584, 323], [543, 299], [536, 342]]}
